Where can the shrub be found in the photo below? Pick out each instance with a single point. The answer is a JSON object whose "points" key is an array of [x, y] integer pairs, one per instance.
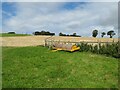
{"points": [[106, 49], [43, 33], [84, 47], [11, 32], [95, 49]]}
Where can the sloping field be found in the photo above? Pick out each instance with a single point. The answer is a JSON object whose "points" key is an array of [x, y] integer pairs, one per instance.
{"points": [[38, 67], [40, 40], [23, 41], [85, 39]]}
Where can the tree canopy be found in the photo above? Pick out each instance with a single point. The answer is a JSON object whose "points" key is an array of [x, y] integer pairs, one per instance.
{"points": [[95, 33], [102, 34], [43, 33], [111, 33]]}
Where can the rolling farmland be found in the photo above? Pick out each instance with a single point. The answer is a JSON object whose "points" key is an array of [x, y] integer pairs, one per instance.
{"points": [[38, 67], [59, 44], [27, 66], [22, 41]]}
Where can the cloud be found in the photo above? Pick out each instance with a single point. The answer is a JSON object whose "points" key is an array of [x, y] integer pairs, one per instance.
{"points": [[61, 1], [53, 17]]}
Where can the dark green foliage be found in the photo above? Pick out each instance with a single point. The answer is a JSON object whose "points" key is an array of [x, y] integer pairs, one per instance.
{"points": [[111, 33], [102, 49], [110, 49], [95, 49], [43, 33], [11, 32], [74, 34], [84, 47], [102, 34], [61, 34], [106, 49], [95, 33]]}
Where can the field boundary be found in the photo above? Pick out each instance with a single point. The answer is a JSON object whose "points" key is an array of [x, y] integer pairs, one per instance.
{"points": [[41, 40]]}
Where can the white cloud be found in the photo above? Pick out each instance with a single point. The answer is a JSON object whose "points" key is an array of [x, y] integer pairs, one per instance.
{"points": [[60, 0], [48, 16]]}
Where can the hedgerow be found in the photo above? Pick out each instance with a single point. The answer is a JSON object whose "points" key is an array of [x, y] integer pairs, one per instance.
{"points": [[109, 49]]}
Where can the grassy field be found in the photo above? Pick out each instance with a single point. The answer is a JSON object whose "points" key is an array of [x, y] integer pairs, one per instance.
{"points": [[11, 35], [34, 67]]}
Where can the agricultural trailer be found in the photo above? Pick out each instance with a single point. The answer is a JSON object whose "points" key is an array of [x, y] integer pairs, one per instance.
{"points": [[66, 47]]}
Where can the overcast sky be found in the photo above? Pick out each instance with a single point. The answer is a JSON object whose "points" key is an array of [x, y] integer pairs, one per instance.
{"points": [[65, 17]]}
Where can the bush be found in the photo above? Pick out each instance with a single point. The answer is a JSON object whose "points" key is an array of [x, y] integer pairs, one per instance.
{"points": [[11, 32], [84, 47], [95, 49], [43, 33], [107, 49], [73, 35]]}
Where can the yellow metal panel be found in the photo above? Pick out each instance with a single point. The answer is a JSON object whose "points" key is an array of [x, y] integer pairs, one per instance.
{"points": [[75, 49]]}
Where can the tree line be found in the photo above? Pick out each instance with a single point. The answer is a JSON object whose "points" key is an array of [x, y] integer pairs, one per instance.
{"points": [[43, 33], [110, 33], [49, 33], [74, 34]]}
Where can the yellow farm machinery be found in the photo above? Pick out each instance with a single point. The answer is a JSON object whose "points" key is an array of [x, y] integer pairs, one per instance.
{"points": [[66, 47], [59, 45]]}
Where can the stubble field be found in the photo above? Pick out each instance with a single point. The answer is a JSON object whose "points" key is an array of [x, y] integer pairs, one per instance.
{"points": [[22, 41]]}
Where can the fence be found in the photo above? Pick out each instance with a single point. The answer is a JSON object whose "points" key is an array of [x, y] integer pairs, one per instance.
{"points": [[107, 48], [50, 42]]}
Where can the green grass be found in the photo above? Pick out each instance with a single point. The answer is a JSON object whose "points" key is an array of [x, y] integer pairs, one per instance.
{"points": [[38, 67], [11, 35]]}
